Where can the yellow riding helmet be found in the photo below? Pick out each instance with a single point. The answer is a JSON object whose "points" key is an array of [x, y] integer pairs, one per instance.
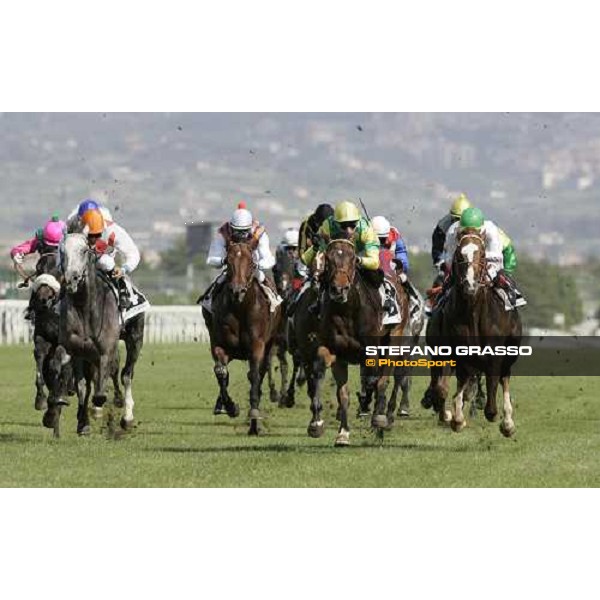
{"points": [[346, 211], [460, 204]]}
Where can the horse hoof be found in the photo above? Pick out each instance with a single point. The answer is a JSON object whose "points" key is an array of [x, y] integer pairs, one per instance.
{"points": [[85, 430], [507, 430], [233, 411], [219, 410], [253, 414], [96, 412], [362, 413], [127, 425], [379, 421], [275, 397], [490, 416], [99, 401], [390, 424], [40, 403], [342, 439], [456, 426], [427, 400], [253, 431], [316, 429], [48, 419], [403, 413], [62, 402]]}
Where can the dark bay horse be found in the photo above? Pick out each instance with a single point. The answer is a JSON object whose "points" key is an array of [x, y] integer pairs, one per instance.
{"points": [[474, 315], [89, 332], [286, 282], [45, 292], [241, 327], [351, 316]]}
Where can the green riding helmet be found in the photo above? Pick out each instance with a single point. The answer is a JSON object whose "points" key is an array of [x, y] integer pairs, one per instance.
{"points": [[472, 217]]}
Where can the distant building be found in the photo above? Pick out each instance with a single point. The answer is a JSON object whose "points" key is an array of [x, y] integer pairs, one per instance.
{"points": [[199, 237]]}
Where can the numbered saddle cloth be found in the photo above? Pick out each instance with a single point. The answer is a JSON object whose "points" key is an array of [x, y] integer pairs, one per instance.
{"points": [[520, 300]]}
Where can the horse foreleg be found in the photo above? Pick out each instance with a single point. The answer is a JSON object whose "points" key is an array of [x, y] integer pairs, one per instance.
{"points": [[340, 373], [458, 421], [405, 385], [40, 354], [258, 362], [491, 382], [507, 427], [102, 370], [314, 374], [222, 374], [379, 419], [273, 395], [83, 388], [133, 344], [289, 397], [284, 368]]}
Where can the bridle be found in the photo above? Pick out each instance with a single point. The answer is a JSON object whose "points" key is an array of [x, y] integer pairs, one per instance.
{"points": [[253, 266], [332, 270], [484, 277]]}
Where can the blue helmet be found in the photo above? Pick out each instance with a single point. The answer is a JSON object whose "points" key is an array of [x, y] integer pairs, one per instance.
{"points": [[86, 205]]}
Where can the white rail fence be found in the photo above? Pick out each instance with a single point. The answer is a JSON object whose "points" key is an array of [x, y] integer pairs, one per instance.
{"points": [[164, 324]]}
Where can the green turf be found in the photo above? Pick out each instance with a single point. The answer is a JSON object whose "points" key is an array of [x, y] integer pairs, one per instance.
{"points": [[178, 442]]}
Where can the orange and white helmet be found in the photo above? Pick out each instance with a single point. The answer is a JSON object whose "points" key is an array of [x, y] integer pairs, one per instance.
{"points": [[93, 222]]}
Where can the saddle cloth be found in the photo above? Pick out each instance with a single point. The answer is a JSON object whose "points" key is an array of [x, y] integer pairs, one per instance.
{"points": [[139, 304], [504, 297]]}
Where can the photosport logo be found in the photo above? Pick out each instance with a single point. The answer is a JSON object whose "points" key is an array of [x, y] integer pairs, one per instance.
{"points": [[556, 356]]}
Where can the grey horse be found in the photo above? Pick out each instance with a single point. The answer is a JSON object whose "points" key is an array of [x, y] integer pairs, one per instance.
{"points": [[89, 332]]}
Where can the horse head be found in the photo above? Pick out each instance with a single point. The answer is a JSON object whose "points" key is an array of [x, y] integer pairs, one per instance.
{"points": [[240, 268], [75, 257], [469, 264], [340, 269]]}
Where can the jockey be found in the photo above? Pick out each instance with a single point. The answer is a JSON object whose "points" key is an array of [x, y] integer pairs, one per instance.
{"points": [[241, 227], [438, 242], [286, 253], [46, 240], [310, 227], [347, 223], [74, 220], [393, 258], [500, 254], [109, 241]]}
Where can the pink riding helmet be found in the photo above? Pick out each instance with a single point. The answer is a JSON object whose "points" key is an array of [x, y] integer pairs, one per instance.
{"points": [[53, 231]]}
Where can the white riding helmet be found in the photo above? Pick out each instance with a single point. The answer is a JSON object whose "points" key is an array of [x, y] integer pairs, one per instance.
{"points": [[241, 219], [381, 226], [291, 238]]}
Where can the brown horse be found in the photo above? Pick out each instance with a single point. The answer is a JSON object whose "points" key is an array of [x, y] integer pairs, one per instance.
{"points": [[241, 327], [474, 315], [351, 317]]}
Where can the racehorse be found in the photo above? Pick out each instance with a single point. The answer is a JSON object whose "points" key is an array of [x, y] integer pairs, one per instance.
{"points": [[45, 291], [351, 316], [474, 315], [241, 327], [90, 329], [286, 283]]}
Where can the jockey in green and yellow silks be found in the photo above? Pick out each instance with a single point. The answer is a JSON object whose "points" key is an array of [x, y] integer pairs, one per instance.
{"points": [[348, 223]]}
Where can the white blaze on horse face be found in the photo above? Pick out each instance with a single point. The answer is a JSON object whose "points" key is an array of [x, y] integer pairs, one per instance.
{"points": [[469, 252], [74, 259]]}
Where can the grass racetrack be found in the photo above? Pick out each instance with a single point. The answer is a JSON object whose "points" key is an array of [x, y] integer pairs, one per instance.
{"points": [[179, 443]]}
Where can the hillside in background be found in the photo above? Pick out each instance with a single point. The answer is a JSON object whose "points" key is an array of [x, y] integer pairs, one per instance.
{"points": [[536, 174]]}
